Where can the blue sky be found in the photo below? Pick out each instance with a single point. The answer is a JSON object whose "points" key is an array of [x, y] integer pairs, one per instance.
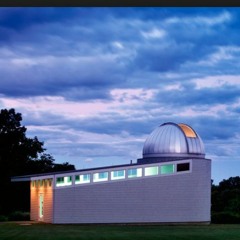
{"points": [[92, 83]]}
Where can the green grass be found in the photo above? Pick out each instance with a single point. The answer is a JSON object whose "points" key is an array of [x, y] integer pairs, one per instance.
{"points": [[17, 231]]}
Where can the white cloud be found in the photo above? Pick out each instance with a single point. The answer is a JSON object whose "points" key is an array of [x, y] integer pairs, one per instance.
{"points": [[88, 160], [216, 81], [118, 45], [123, 100], [210, 111], [210, 21], [136, 94], [173, 87], [223, 53], [154, 33]]}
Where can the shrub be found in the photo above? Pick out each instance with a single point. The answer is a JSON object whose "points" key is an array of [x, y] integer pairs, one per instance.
{"points": [[225, 217], [3, 218], [19, 216]]}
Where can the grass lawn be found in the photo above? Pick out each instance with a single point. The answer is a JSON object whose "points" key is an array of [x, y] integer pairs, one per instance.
{"points": [[35, 231]]}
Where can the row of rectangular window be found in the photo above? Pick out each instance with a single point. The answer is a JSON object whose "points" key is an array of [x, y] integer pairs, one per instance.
{"points": [[120, 174]]}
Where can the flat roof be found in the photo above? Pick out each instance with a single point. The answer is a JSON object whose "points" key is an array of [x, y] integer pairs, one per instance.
{"points": [[28, 177], [25, 178]]}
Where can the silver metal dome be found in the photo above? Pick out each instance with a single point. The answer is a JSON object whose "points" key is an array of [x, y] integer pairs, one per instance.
{"points": [[173, 140]]}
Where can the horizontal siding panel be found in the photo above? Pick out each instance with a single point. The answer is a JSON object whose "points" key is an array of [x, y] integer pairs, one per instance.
{"points": [[173, 198]]}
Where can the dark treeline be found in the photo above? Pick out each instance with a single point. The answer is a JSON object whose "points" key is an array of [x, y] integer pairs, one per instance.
{"points": [[226, 201], [20, 155]]}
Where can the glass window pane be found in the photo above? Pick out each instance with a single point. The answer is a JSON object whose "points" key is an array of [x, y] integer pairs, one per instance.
{"points": [[167, 169], [181, 167], [64, 181], [118, 174], [102, 176], [60, 180], [134, 172], [83, 178], [150, 171]]}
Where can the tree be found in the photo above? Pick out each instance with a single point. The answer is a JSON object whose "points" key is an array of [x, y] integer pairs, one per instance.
{"points": [[20, 155], [226, 201]]}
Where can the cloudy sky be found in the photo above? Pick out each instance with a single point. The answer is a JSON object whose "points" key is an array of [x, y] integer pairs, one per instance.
{"points": [[92, 83]]}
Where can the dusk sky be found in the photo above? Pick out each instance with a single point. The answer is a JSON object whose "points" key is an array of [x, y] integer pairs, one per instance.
{"points": [[93, 83]]}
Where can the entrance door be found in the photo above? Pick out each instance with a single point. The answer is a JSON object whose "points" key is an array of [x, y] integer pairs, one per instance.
{"points": [[41, 207]]}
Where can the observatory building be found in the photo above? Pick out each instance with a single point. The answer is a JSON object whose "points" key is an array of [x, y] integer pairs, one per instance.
{"points": [[171, 183]]}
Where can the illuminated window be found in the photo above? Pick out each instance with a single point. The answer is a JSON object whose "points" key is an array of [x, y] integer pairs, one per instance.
{"points": [[33, 183], [101, 176], [167, 169], [64, 181], [182, 167], [150, 171], [60, 180], [118, 174], [83, 178], [134, 172]]}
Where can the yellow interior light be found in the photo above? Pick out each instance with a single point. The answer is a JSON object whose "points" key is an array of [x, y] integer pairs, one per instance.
{"points": [[187, 130]]}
